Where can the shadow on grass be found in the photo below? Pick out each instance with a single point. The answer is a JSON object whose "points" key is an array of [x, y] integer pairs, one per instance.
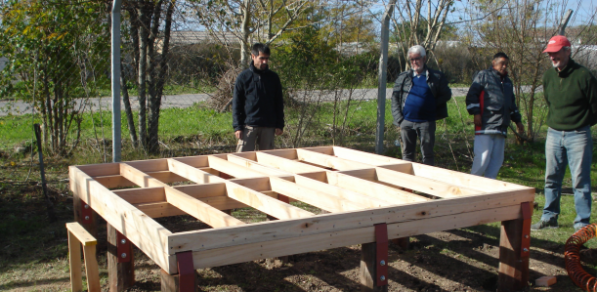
{"points": [[33, 284]]}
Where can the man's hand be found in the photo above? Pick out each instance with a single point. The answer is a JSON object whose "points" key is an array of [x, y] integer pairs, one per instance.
{"points": [[237, 134], [478, 120], [520, 128], [279, 132]]}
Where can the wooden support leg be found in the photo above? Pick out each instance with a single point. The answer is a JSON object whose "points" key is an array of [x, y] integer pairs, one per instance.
{"points": [[187, 277], [91, 269], [169, 282], [74, 257], [514, 251], [121, 275], [374, 261]]}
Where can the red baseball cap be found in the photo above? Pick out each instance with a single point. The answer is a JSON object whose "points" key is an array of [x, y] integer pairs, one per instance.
{"points": [[556, 43]]}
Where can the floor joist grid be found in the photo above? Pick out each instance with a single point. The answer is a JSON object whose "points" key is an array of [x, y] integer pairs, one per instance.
{"points": [[358, 189]]}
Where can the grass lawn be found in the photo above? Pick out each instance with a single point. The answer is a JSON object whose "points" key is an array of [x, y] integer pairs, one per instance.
{"points": [[33, 250]]}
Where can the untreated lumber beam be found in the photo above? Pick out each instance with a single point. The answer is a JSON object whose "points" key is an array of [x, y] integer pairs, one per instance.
{"points": [[317, 185], [144, 195], [255, 199], [338, 179], [370, 188], [316, 198], [403, 180], [285, 164], [265, 203], [330, 223], [307, 243], [255, 166], [145, 233], [192, 173], [425, 171], [196, 208], [328, 160]]}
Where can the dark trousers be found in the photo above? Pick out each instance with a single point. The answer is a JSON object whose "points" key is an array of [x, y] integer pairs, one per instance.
{"points": [[409, 131]]}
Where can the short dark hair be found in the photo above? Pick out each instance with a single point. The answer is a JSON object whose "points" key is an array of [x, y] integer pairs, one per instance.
{"points": [[501, 55], [259, 47]]}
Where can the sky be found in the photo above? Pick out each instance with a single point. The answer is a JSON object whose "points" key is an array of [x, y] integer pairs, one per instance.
{"points": [[583, 11]]}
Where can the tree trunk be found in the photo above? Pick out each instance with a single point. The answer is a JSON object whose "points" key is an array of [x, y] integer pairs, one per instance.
{"points": [[244, 42], [127, 107], [154, 101], [144, 19]]}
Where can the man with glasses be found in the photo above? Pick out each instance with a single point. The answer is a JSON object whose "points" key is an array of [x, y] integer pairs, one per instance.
{"points": [[491, 100], [419, 99], [570, 91]]}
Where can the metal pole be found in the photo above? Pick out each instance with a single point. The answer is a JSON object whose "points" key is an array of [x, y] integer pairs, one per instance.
{"points": [[116, 131], [564, 22], [382, 76]]}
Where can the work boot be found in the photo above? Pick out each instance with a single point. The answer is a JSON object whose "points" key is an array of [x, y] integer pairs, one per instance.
{"points": [[552, 223]]}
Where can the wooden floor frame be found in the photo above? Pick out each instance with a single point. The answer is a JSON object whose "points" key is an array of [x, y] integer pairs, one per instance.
{"points": [[358, 189]]}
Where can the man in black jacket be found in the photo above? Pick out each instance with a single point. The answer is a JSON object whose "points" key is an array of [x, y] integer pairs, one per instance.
{"points": [[419, 99], [491, 101], [257, 106]]}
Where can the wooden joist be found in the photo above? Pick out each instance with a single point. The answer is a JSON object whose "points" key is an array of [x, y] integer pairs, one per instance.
{"points": [[196, 208]]}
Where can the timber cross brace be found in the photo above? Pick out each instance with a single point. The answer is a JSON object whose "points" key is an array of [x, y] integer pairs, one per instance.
{"points": [[360, 191]]}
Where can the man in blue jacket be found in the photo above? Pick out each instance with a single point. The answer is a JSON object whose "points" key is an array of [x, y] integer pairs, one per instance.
{"points": [[491, 100], [257, 105], [419, 99]]}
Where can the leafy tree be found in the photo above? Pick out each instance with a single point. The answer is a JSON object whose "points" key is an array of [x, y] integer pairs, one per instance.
{"points": [[249, 20], [55, 48], [142, 28]]}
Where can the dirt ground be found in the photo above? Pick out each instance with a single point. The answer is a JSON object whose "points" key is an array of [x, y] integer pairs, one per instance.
{"points": [[458, 260]]}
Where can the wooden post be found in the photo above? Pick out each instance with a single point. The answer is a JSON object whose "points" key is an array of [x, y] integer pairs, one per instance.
{"points": [[368, 274], [514, 256], [170, 283], [374, 262], [91, 269], [74, 257], [121, 276], [185, 280]]}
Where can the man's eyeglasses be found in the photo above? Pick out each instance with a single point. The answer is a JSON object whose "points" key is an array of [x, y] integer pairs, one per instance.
{"points": [[416, 59]]}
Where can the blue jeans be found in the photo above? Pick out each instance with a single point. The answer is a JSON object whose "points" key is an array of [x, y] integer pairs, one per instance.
{"points": [[575, 149]]}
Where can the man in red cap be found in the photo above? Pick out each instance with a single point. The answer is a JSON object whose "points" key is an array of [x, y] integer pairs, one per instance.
{"points": [[570, 91]]}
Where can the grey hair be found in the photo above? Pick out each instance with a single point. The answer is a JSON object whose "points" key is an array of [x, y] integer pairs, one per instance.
{"points": [[418, 49], [566, 48]]}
